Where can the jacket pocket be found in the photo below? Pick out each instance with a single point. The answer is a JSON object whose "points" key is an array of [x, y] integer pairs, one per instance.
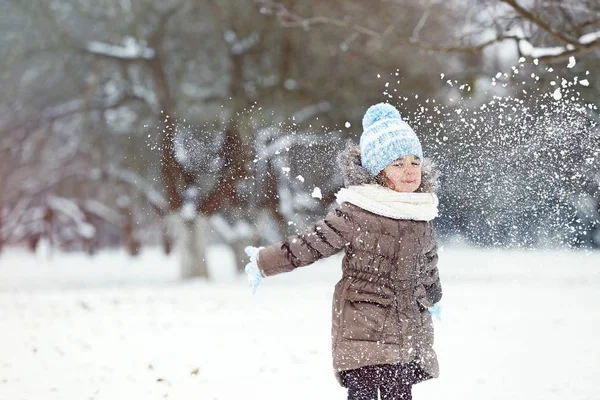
{"points": [[364, 315]]}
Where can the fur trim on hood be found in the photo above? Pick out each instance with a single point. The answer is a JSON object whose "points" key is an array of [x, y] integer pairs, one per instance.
{"points": [[354, 173]]}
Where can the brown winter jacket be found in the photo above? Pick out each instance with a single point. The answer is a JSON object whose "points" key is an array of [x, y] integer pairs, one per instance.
{"points": [[389, 279]]}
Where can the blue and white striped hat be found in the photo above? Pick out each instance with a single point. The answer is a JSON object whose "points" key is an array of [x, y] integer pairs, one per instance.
{"points": [[385, 138]]}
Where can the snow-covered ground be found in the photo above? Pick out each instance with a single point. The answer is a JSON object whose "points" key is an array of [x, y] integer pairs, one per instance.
{"points": [[515, 325]]}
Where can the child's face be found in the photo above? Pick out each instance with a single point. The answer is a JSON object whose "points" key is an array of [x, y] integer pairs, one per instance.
{"points": [[404, 174]]}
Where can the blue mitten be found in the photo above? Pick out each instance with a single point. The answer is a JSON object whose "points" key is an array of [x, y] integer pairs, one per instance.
{"points": [[436, 311], [252, 270]]}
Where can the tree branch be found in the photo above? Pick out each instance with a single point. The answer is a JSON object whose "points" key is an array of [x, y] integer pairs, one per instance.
{"points": [[528, 15], [129, 50], [288, 19], [570, 51], [67, 109], [571, 47]]}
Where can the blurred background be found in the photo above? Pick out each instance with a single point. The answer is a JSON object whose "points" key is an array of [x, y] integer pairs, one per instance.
{"points": [[145, 143], [185, 123]]}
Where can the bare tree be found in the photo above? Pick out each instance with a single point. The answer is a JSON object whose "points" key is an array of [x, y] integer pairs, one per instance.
{"points": [[573, 26], [188, 122]]}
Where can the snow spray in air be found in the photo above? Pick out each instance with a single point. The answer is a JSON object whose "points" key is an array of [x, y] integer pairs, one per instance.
{"points": [[519, 155]]}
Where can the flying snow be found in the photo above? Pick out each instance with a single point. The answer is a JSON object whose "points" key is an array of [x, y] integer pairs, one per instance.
{"points": [[317, 193], [507, 155], [557, 94]]}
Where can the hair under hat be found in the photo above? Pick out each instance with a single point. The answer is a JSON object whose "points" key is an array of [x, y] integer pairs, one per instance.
{"points": [[386, 137]]}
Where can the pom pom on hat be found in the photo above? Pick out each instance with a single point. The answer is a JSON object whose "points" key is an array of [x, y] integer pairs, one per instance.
{"points": [[378, 112], [386, 138]]}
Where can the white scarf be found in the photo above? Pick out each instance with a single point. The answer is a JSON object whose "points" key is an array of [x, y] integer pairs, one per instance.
{"points": [[389, 203]]}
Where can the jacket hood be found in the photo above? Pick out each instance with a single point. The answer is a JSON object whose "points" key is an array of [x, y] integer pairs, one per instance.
{"points": [[354, 173]]}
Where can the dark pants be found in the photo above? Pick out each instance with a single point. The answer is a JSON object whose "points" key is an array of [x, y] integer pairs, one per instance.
{"points": [[394, 381]]}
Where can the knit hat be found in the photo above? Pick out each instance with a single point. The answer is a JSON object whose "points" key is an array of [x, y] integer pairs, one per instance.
{"points": [[385, 138]]}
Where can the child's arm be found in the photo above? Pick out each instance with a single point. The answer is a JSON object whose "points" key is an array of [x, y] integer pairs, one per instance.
{"points": [[431, 279], [326, 238]]}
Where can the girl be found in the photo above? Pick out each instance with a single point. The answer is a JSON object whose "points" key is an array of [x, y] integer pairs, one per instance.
{"points": [[382, 331]]}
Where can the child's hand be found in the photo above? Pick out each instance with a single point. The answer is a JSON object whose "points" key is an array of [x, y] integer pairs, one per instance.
{"points": [[436, 311], [252, 271]]}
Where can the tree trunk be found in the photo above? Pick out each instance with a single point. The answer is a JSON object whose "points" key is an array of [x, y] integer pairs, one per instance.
{"points": [[129, 236], [167, 240], [225, 196], [1, 228], [188, 236], [190, 242]]}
